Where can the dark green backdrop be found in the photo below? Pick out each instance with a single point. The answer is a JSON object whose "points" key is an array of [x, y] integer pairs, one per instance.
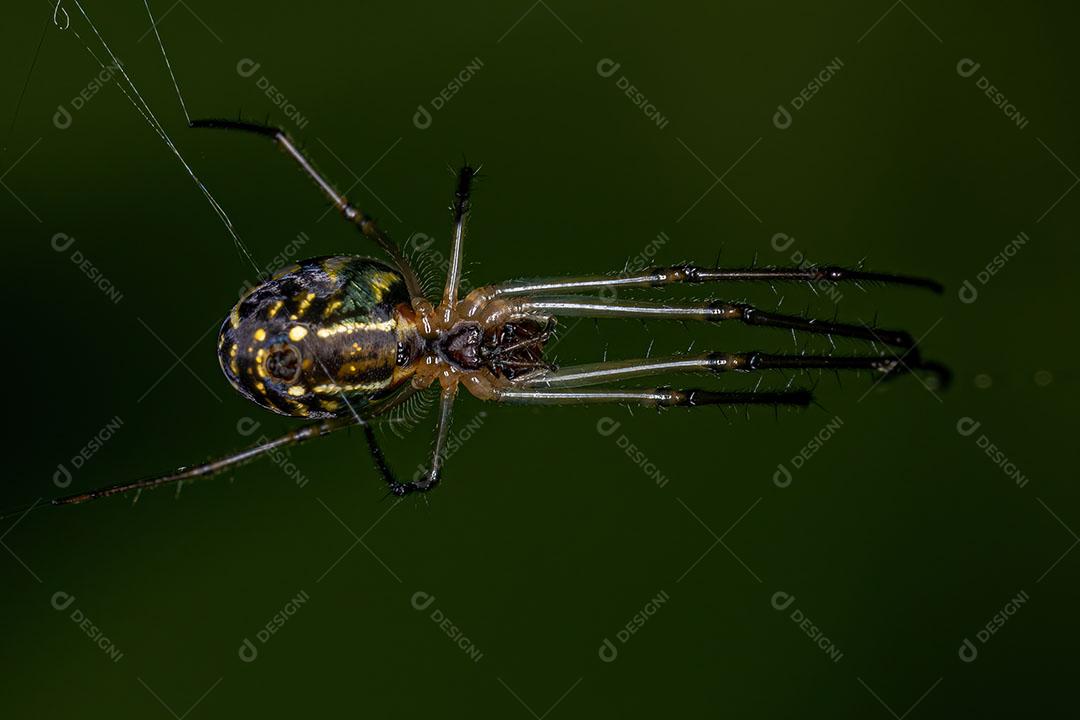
{"points": [[897, 539]]}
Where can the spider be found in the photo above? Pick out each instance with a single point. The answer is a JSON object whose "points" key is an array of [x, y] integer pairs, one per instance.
{"points": [[342, 339]]}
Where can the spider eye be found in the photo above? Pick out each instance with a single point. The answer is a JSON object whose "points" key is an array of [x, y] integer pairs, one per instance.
{"points": [[283, 363]]}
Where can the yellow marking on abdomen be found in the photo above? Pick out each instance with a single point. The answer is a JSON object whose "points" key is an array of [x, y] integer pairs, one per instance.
{"points": [[332, 307], [305, 303], [260, 355], [350, 326], [331, 388], [332, 266], [381, 282]]}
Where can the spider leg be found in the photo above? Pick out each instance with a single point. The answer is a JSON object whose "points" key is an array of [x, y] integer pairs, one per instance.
{"points": [[716, 362], [716, 311], [461, 207], [377, 455], [216, 466], [363, 222], [693, 274], [651, 397], [438, 452]]}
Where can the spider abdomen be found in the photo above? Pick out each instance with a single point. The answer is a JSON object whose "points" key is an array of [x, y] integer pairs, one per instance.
{"points": [[317, 334]]}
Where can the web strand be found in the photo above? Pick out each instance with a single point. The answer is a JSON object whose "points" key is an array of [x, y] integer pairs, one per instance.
{"points": [[168, 65], [26, 83], [144, 109]]}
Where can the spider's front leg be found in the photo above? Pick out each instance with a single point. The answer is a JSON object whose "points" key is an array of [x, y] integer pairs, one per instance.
{"points": [[689, 274]]}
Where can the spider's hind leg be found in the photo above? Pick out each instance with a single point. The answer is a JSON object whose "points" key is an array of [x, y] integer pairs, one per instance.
{"points": [[217, 466]]}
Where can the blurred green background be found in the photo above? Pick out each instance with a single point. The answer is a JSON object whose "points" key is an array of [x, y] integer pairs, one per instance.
{"points": [[898, 538]]}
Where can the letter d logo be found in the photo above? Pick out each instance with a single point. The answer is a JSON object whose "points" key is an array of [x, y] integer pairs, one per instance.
{"points": [[607, 426], [967, 426], [967, 67], [782, 477], [62, 118], [247, 67], [245, 426], [62, 477], [248, 652], [607, 67], [967, 293], [422, 600], [62, 600], [782, 600], [422, 118], [781, 118]]}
